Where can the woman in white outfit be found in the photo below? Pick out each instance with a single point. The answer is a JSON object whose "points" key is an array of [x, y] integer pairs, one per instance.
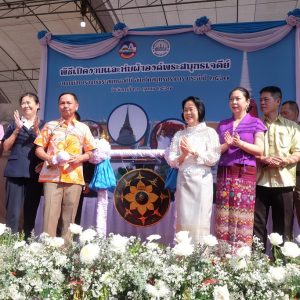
{"points": [[194, 151]]}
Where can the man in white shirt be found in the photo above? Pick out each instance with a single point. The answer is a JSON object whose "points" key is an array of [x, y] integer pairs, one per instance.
{"points": [[163, 141]]}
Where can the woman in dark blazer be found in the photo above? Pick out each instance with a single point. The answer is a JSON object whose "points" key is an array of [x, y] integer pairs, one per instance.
{"points": [[23, 191]]}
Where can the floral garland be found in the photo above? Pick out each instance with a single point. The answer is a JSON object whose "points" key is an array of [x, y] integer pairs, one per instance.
{"points": [[202, 25], [120, 30], [117, 267], [293, 18]]}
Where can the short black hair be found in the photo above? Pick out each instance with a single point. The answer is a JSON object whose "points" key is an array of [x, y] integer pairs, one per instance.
{"points": [[30, 95], [68, 93], [293, 105], [199, 105], [274, 90]]}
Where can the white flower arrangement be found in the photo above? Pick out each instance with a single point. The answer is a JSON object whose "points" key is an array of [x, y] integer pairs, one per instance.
{"points": [[117, 267], [3, 228], [61, 158], [290, 249], [184, 246], [277, 274], [243, 251], [89, 253], [221, 293], [119, 243], [275, 239], [153, 237], [55, 242], [75, 229], [87, 236], [210, 240], [183, 237], [158, 291], [101, 152], [241, 264], [183, 249]]}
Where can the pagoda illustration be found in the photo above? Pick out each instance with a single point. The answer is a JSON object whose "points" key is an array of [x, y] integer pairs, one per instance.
{"points": [[126, 135], [245, 82], [245, 78]]}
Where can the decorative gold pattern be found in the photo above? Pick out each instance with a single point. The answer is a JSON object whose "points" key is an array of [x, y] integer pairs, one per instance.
{"points": [[140, 197]]}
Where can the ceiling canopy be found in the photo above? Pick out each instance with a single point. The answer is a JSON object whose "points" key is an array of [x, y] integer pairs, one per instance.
{"points": [[20, 21]]}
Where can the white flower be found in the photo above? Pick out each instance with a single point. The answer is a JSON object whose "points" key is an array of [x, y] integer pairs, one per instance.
{"points": [[151, 290], [44, 235], [87, 235], [153, 237], [61, 158], [36, 247], [75, 229], [152, 246], [210, 240], [277, 274], [18, 245], [182, 237], [101, 152], [103, 145], [61, 260], [221, 293], [158, 291], [55, 242], [119, 243], [275, 239], [183, 249], [243, 251], [241, 264], [14, 294], [290, 249], [105, 278], [2, 228], [57, 276], [163, 290], [298, 238], [89, 253]]}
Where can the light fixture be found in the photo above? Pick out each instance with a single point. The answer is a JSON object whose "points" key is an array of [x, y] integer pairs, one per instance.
{"points": [[83, 11], [82, 23]]}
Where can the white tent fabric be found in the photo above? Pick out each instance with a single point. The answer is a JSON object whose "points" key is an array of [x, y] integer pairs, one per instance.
{"points": [[20, 52]]}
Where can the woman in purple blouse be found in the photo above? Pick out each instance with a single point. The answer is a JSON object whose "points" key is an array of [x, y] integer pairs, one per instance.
{"points": [[241, 139]]}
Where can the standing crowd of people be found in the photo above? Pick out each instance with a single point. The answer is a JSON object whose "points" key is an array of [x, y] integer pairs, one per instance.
{"points": [[45, 157], [256, 159]]}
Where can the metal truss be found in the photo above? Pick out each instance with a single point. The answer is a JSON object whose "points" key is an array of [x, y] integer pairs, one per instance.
{"points": [[19, 75], [131, 4], [38, 8]]}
